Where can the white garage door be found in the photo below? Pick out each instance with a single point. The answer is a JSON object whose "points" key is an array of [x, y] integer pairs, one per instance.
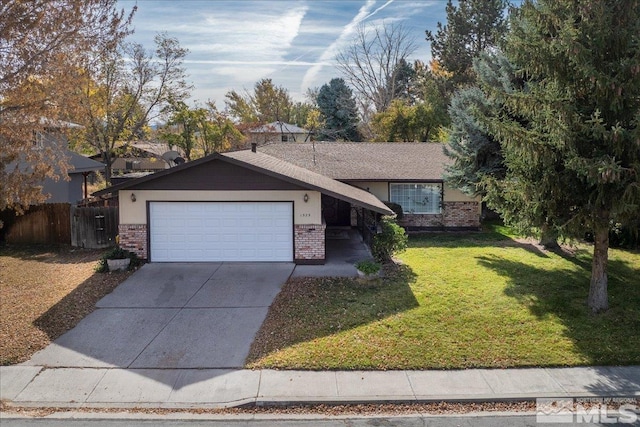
{"points": [[221, 231]]}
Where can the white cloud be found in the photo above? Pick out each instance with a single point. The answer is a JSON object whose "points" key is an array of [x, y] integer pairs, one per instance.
{"points": [[293, 63], [235, 43], [261, 34], [347, 32]]}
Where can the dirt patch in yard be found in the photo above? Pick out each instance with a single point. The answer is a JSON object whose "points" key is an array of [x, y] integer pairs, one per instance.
{"points": [[44, 292]]}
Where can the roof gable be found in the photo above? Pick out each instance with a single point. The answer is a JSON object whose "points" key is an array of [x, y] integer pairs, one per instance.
{"points": [[217, 174], [81, 164]]}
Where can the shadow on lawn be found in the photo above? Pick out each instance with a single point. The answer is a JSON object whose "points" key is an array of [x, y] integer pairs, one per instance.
{"points": [[610, 338], [311, 308]]}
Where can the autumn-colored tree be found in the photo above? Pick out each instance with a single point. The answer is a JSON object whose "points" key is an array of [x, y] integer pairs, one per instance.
{"points": [[182, 127], [420, 122], [267, 103], [218, 133], [125, 88], [200, 131], [42, 45]]}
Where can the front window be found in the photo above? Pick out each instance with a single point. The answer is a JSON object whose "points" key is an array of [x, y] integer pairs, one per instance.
{"points": [[417, 198]]}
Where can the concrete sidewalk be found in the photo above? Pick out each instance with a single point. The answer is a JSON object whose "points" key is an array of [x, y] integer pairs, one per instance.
{"points": [[216, 388]]}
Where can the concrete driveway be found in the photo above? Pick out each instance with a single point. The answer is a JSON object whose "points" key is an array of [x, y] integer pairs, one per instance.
{"points": [[180, 315]]}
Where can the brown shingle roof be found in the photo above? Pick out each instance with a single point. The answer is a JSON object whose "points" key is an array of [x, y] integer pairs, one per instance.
{"points": [[379, 161], [277, 168], [312, 179]]}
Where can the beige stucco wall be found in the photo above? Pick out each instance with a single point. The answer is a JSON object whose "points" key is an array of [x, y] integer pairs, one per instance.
{"points": [[136, 212], [380, 189], [454, 195]]}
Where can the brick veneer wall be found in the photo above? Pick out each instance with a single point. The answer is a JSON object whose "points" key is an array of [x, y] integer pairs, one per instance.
{"points": [[133, 237], [309, 243], [454, 215], [462, 214], [422, 220]]}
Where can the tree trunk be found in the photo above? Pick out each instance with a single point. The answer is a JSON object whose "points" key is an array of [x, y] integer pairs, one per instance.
{"points": [[598, 299], [549, 237], [106, 157]]}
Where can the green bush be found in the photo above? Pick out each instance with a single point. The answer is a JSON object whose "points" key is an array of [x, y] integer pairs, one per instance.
{"points": [[368, 267], [392, 240], [117, 253]]}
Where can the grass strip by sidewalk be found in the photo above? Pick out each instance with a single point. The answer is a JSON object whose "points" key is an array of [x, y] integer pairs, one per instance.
{"points": [[460, 301]]}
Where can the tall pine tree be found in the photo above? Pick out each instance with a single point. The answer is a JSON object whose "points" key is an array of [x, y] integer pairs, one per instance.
{"points": [[575, 150], [339, 111], [479, 167], [472, 27]]}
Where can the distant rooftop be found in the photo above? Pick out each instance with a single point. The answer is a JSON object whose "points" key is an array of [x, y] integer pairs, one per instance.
{"points": [[278, 127]]}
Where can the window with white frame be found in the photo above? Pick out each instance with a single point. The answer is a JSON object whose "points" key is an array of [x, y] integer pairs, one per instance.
{"points": [[417, 198]]}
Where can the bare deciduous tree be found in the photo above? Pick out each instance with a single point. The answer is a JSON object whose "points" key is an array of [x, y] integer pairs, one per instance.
{"points": [[119, 97], [371, 63]]}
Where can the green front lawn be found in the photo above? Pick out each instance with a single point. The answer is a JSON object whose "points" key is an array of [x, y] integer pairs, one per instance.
{"points": [[460, 301]]}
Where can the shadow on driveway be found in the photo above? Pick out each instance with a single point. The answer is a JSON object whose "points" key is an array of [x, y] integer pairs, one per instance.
{"points": [[173, 316]]}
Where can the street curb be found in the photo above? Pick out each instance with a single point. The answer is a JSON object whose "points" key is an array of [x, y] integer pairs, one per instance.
{"points": [[289, 402]]}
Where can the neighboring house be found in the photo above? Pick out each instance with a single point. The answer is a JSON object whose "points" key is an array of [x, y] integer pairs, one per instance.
{"points": [[123, 165], [79, 171], [238, 206], [409, 174], [141, 156], [75, 189], [278, 132]]}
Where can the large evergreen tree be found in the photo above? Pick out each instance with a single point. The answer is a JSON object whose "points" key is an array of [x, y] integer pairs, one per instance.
{"points": [[479, 166], [472, 27], [570, 134], [474, 151], [339, 111]]}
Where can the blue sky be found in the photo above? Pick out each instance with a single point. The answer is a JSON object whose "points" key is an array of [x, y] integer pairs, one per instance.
{"points": [[233, 44]]}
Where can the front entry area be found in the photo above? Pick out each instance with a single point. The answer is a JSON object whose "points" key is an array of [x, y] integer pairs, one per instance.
{"points": [[336, 212], [220, 231]]}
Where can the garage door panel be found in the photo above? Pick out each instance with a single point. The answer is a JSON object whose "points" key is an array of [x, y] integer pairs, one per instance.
{"points": [[221, 231]]}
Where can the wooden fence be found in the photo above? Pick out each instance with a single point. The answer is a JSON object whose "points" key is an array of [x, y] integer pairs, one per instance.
{"points": [[94, 227], [61, 223], [42, 224]]}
